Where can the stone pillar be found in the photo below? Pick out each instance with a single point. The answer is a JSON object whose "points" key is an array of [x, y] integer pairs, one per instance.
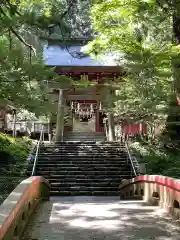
{"points": [[60, 118], [110, 105], [50, 130], [106, 129], [97, 120], [111, 126]]}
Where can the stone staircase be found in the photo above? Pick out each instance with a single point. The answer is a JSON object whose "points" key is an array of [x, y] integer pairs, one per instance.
{"points": [[84, 168]]}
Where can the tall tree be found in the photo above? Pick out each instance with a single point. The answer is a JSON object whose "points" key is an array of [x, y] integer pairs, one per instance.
{"points": [[140, 34], [21, 63]]}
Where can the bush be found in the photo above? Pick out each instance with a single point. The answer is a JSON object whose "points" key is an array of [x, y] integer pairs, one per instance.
{"points": [[4, 140], [18, 148], [158, 160]]}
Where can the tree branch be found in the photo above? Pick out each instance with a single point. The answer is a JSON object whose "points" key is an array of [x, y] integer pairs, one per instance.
{"points": [[21, 39], [68, 9], [12, 8]]}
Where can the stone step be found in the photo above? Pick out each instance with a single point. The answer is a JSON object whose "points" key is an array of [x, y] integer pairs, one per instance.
{"points": [[83, 147], [91, 141], [79, 154], [81, 158], [85, 184], [79, 187], [80, 169], [79, 164], [89, 138], [99, 156], [80, 151], [83, 188], [69, 177], [86, 163], [84, 153], [79, 145], [87, 180], [84, 193], [84, 134], [89, 172], [87, 166]]}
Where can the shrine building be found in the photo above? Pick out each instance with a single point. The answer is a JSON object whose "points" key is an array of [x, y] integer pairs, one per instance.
{"points": [[81, 109]]}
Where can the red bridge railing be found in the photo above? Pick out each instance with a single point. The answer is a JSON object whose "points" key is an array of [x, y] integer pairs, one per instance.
{"points": [[155, 190]]}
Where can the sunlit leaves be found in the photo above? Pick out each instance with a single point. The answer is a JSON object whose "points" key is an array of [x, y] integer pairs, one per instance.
{"points": [[140, 31], [22, 73]]}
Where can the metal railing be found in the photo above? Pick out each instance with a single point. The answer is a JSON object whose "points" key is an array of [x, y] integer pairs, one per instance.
{"points": [[130, 158], [41, 139]]}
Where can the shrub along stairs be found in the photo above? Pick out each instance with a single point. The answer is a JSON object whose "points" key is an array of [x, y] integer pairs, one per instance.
{"points": [[84, 168]]}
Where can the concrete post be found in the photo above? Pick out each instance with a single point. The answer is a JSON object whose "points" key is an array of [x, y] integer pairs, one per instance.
{"points": [[60, 118]]}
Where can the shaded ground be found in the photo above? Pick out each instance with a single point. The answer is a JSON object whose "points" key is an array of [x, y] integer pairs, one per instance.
{"points": [[100, 218]]}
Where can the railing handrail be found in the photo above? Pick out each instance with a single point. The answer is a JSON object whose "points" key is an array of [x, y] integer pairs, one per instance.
{"points": [[37, 151], [130, 158]]}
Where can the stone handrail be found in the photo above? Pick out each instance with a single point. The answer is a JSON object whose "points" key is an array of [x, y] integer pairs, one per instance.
{"points": [[154, 190], [16, 210]]}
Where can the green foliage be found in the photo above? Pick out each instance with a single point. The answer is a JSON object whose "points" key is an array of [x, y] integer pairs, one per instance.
{"points": [[4, 141], [18, 148], [157, 159], [139, 33], [17, 151], [21, 62]]}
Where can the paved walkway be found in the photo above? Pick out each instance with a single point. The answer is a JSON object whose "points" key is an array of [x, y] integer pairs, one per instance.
{"points": [[100, 218]]}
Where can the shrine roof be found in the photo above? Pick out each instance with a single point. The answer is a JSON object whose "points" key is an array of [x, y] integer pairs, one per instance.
{"points": [[72, 55]]}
